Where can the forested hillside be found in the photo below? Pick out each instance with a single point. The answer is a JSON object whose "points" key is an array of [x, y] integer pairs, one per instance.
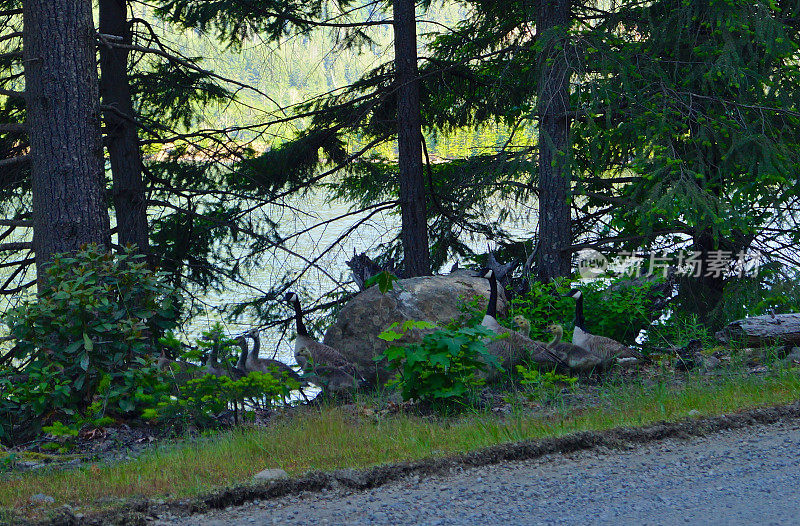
{"points": [[302, 67]]}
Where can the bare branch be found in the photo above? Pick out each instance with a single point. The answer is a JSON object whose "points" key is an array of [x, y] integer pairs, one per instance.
{"points": [[10, 93], [11, 54], [22, 159], [19, 289], [23, 262], [189, 65], [18, 245], [15, 222], [15, 34]]}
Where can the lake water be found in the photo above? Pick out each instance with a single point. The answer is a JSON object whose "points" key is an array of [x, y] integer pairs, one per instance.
{"points": [[332, 269], [326, 239]]}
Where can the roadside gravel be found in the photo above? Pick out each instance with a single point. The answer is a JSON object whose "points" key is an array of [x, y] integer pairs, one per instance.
{"points": [[743, 476]]}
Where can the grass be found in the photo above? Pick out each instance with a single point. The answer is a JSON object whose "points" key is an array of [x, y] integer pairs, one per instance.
{"points": [[331, 439]]}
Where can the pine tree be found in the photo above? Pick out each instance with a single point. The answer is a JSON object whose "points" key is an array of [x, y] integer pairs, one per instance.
{"points": [[63, 122]]}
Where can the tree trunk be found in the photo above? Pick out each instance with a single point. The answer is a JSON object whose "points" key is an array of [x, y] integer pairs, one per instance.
{"points": [[122, 138], [555, 235], [414, 233], [761, 331], [63, 115]]}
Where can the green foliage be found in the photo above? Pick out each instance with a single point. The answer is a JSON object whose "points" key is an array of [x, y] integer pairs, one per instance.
{"points": [[443, 368], [391, 335], [384, 279], [58, 429], [471, 312], [677, 330], [200, 400], [91, 332], [776, 289], [215, 338], [543, 305], [621, 308], [196, 398], [544, 384], [617, 308]]}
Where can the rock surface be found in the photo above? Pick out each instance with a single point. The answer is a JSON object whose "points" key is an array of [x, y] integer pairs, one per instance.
{"points": [[430, 298], [270, 474]]}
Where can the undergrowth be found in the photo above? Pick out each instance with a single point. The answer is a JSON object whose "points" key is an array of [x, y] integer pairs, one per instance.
{"points": [[330, 438]]}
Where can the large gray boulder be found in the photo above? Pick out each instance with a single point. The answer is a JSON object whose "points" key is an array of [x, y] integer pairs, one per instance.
{"points": [[430, 298]]}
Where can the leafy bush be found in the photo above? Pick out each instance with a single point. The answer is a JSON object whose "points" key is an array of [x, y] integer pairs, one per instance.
{"points": [[471, 312], [677, 330], [91, 331], [444, 366], [200, 400], [618, 308], [543, 305], [621, 308], [544, 384]]}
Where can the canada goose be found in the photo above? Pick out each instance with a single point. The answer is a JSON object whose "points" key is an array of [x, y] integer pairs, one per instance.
{"points": [[512, 347], [276, 368], [575, 357], [333, 380], [523, 325], [308, 351], [212, 367], [180, 370], [241, 341], [605, 348], [249, 362]]}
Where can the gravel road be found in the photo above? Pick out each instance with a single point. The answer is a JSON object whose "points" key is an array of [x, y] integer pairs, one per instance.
{"points": [[745, 476]]}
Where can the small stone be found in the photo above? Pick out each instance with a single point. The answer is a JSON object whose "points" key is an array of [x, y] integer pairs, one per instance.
{"points": [[271, 474], [694, 412], [41, 497]]}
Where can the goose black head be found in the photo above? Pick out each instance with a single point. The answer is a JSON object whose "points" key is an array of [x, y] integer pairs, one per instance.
{"points": [[574, 294], [291, 297]]}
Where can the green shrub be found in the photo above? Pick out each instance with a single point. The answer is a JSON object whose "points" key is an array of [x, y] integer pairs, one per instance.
{"points": [[198, 401], [621, 308], [94, 323], [776, 288], [544, 385], [201, 400], [471, 312], [677, 330], [618, 308], [543, 305], [443, 367]]}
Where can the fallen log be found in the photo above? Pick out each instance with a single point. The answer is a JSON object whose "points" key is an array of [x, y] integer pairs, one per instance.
{"points": [[759, 331]]}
